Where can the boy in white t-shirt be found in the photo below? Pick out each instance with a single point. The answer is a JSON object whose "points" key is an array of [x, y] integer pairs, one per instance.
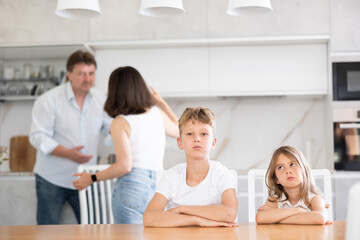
{"points": [[199, 192]]}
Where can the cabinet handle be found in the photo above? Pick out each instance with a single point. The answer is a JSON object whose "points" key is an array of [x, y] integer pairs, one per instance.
{"points": [[349, 125]]}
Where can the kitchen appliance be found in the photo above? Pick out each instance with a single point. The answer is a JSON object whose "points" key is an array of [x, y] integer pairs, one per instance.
{"points": [[346, 115], [346, 81]]}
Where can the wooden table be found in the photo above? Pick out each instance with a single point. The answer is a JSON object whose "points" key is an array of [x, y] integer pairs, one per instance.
{"points": [[336, 231]]}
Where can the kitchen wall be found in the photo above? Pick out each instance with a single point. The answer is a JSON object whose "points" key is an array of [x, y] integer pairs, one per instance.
{"points": [[248, 128]]}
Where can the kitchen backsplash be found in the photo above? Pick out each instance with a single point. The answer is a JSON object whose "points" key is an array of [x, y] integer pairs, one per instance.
{"points": [[248, 129]]}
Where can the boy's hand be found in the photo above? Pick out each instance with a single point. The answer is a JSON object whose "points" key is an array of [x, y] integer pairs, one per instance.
{"points": [[175, 210], [203, 222]]}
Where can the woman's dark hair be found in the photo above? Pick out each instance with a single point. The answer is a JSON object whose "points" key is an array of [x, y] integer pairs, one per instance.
{"points": [[128, 93]]}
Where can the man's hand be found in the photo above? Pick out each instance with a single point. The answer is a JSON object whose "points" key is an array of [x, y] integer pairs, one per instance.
{"points": [[83, 181], [75, 155]]}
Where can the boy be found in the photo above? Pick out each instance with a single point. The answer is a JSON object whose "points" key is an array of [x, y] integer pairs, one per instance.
{"points": [[199, 192]]}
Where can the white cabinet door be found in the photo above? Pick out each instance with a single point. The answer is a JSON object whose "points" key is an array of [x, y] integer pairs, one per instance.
{"points": [[269, 70], [176, 71]]}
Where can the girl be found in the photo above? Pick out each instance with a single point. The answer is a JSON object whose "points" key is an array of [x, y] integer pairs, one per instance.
{"points": [[138, 133], [293, 198]]}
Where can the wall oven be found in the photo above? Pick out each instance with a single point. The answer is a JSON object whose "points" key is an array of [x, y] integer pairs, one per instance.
{"points": [[347, 135]]}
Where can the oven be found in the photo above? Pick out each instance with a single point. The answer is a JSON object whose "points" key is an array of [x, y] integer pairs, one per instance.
{"points": [[346, 115]]}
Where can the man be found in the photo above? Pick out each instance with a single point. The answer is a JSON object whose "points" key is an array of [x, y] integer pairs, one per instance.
{"points": [[65, 130]]}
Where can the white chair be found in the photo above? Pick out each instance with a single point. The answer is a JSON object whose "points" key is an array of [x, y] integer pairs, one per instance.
{"points": [[253, 174], [95, 200], [352, 216]]}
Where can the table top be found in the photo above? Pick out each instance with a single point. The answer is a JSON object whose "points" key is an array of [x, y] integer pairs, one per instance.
{"points": [[335, 231]]}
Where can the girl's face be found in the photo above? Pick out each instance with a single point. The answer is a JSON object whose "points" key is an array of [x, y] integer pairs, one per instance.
{"points": [[287, 172]]}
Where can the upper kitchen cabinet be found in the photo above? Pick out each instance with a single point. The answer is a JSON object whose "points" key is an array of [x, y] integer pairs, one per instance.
{"points": [[270, 68], [222, 67], [35, 22], [173, 71], [345, 25]]}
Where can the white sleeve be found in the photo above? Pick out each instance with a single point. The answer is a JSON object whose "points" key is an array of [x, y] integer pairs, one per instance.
{"points": [[167, 184], [226, 181], [42, 126]]}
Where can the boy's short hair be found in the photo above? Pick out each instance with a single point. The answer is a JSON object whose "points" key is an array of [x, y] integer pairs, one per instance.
{"points": [[201, 114]]}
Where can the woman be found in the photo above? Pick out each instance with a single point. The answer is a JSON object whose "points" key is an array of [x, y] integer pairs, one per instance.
{"points": [[141, 121]]}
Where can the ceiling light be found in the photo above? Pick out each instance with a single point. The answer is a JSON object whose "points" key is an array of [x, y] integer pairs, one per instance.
{"points": [[161, 8], [241, 7], [78, 8]]}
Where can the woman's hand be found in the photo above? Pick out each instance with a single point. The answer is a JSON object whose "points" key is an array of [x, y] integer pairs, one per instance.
{"points": [[83, 181], [158, 100]]}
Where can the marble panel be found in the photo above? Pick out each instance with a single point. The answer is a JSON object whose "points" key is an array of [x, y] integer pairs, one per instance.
{"points": [[249, 129]]}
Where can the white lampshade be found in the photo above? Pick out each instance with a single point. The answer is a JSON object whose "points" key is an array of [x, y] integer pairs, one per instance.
{"points": [[78, 8], [161, 8], [240, 7]]}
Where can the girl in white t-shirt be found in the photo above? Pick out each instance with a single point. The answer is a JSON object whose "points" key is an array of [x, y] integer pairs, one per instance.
{"points": [[199, 192], [293, 197]]}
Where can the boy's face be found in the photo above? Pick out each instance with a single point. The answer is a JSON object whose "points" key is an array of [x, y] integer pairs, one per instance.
{"points": [[197, 140]]}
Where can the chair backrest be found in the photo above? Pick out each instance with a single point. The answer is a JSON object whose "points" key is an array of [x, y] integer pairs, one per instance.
{"points": [[95, 200], [259, 174], [352, 216]]}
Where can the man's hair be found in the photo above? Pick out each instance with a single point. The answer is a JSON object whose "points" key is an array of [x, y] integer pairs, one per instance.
{"points": [[201, 114], [79, 57]]}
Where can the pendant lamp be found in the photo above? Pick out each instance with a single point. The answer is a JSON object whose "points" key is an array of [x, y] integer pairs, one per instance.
{"points": [[248, 7], [161, 8], [78, 8]]}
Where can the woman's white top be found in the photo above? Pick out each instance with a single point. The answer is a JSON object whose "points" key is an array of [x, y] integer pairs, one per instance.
{"points": [[147, 139], [299, 204], [173, 186]]}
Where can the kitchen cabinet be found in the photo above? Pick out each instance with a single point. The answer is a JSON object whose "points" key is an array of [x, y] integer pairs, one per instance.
{"points": [[290, 69], [222, 67], [172, 71]]}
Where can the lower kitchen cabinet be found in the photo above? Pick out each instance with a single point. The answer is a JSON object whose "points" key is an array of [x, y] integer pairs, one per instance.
{"points": [[18, 202]]}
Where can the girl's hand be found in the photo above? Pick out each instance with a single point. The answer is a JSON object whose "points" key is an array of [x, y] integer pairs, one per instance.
{"points": [[263, 207], [203, 222], [156, 97], [83, 181]]}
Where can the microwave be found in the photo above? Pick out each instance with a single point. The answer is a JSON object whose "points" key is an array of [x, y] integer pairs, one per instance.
{"points": [[346, 81]]}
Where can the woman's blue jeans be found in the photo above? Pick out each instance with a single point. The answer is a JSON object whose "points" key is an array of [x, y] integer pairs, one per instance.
{"points": [[132, 194]]}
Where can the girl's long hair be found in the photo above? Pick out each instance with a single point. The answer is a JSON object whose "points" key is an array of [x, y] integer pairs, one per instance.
{"points": [[307, 186]]}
